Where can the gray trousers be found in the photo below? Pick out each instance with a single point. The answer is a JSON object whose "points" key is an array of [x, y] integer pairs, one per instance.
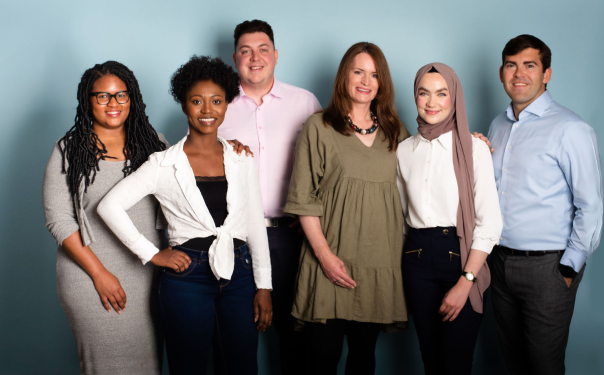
{"points": [[533, 309]]}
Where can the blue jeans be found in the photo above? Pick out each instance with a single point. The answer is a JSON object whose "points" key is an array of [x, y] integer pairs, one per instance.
{"points": [[193, 305]]}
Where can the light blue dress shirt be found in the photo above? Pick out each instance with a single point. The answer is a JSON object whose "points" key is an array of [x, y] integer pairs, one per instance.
{"points": [[548, 176]]}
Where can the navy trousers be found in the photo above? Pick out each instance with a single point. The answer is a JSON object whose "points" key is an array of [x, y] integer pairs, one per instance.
{"points": [[285, 244], [194, 307], [431, 267]]}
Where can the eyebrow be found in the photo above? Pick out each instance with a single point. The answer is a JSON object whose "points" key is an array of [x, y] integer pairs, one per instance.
{"points": [[439, 90], [212, 96], [363, 70], [246, 46], [524, 62]]}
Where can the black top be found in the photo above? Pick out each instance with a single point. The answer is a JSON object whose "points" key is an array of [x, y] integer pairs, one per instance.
{"points": [[214, 192]]}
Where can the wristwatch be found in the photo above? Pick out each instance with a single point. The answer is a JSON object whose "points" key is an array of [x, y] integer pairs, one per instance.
{"points": [[469, 276], [567, 271]]}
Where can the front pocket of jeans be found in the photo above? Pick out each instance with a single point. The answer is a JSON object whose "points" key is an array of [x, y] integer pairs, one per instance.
{"points": [[246, 261], [171, 272], [418, 252]]}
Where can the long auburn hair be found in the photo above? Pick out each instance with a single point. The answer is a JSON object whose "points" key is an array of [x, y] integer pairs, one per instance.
{"points": [[382, 105]]}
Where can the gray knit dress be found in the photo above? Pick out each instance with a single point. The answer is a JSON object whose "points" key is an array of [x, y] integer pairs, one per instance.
{"points": [[107, 343]]}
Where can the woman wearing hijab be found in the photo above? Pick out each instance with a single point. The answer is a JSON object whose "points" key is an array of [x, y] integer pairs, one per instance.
{"points": [[451, 207]]}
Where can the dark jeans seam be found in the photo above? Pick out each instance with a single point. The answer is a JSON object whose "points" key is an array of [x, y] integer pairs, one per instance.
{"points": [[219, 340]]}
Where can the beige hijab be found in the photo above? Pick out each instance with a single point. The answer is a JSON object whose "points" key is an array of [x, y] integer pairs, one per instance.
{"points": [[457, 122]]}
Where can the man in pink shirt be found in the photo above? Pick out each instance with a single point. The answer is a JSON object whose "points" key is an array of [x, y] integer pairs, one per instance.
{"points": [[267, 116]]}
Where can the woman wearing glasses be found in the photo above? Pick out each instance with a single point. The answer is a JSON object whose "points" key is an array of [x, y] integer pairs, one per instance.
{"points": [[110, 139]]}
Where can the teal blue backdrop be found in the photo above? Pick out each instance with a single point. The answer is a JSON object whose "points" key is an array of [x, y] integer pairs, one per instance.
{"points": [[47, 45]]}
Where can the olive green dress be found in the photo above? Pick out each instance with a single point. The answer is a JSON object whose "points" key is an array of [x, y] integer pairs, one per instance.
{"points": [[352, 189]]}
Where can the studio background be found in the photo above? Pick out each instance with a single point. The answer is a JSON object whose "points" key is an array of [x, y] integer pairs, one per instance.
{"points": [[46, 46]]}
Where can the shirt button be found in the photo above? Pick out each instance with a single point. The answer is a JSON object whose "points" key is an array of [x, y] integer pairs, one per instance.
{"points": [[426, 180], [428, 161], [504, 169], [516, 125], [261, 128], [501, 238], [503, 192], [263, 148], [508, 146]]}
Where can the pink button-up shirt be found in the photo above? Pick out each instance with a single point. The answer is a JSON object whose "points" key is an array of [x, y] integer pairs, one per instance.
{"points": [[271, 131]]}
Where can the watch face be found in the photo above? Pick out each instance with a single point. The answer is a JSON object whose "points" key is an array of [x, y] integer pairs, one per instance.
{"points": [[470, 276]]}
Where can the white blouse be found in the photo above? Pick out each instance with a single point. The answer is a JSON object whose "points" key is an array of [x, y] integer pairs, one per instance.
{"points": [[169, 177], [429, 191]]}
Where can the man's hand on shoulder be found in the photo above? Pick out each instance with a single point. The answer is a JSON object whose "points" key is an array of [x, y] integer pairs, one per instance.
{"points": [[484, 139], [238, 147]]}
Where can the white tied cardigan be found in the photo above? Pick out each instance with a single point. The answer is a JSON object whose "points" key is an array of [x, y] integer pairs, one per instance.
{"points": [[169, 177]]}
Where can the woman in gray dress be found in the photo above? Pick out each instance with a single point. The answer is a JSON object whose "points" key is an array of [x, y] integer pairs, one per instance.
{"points": [[96, 273]]}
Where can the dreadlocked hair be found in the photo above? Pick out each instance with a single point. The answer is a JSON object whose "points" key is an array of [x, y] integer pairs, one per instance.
{"points": [[81, 147]]}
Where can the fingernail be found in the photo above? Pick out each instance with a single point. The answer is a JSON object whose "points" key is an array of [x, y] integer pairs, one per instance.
{"points": [[119, 312]]}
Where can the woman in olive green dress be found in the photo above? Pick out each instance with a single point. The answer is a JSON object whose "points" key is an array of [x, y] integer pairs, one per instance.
{"points": [[344, 190]]}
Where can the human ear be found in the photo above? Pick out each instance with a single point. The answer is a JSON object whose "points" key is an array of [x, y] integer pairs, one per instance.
{"points": [[547, 76]]}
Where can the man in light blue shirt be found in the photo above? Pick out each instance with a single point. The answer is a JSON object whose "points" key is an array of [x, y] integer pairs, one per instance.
{"points": [[547, 170]]}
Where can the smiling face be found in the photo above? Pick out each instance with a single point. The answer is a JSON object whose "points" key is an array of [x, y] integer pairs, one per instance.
{"points": [[523, 78], [363, 81], [112, 115], [255, 58], [205, 107], [433, 98]]}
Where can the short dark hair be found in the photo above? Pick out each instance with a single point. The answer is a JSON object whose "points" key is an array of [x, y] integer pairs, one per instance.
{"points": [[254, 26], [204, 68], [522, 42]]}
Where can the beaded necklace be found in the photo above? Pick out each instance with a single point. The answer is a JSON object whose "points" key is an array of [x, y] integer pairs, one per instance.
{"points": [[363, 131]]}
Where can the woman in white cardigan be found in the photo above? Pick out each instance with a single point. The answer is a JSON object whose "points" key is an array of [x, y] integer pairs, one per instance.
{"points": [[216, 278]]}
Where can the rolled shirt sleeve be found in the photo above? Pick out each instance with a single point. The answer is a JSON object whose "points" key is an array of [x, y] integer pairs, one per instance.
{"points": [[309, 167], [486, 201], [579, 159], [257, 237], [122, 197]]}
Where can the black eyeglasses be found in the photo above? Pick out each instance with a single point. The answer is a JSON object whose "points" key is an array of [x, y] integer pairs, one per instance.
{"points": [[103, 98]]}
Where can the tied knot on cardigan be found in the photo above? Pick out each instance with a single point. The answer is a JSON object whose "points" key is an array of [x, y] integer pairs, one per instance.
{"points": [[223, 264]]}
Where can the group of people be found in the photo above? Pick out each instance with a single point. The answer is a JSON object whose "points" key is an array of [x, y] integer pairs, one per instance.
{"points": [[331, 223]]}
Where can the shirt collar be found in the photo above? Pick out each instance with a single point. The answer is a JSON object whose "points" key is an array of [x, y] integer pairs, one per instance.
{"points": [[276, 91], [537, 107], [445, 140]]}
